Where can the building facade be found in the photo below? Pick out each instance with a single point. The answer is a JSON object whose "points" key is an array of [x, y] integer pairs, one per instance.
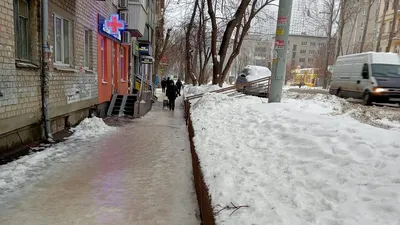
{"points": [[354, 27], [386, 29], [90, 59], [302, 50]]}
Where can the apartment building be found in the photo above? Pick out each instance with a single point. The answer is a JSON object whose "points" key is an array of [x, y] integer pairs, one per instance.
{"points": [[89, 61], [387, 24], [303, 49], [354, 27]]}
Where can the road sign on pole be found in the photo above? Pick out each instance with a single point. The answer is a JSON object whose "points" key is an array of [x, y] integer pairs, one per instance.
{"points": [[280, 51]]}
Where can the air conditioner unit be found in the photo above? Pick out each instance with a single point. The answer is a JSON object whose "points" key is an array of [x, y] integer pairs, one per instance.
{"points": [[126, 37], [124, 15], [123, 4]]}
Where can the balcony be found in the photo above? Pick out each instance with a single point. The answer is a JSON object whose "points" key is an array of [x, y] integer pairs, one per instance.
{"points": [[137, 18]]}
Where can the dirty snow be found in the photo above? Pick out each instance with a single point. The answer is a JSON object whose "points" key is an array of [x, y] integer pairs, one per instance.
{"points": [[297, 162], [17, 173]]}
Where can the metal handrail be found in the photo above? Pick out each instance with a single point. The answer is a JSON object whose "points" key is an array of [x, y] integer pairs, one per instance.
{"points": [[232, 88]]}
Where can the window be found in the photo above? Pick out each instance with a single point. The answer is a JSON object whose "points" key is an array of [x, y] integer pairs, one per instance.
{"points": [[294, 48], [103, 68], [62, 40], [390, 25], [310, 60], [122, 64], [312, 43], [364, 12], [302, 59], [293, 55], [21, 11], [362, 24], [311, 52], [321, 44], [304, 43], [303, 51], [87, 51]]}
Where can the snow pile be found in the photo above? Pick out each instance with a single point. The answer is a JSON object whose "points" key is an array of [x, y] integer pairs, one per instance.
{"points": [[384, 117], [90, 127], [29, 167], [196, 90], [257, 72], [292, 163]]}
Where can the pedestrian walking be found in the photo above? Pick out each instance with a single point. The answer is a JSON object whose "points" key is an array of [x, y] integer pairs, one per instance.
{"points": [[172, 94], [179, 86], [163, 85]]}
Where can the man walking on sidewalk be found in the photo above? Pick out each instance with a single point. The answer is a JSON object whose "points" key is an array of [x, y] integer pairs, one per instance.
{"points": [[163, 85], [172, 94], [179, 86]]}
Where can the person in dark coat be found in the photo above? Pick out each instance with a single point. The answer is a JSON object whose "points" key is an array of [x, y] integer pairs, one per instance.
{"points": [[179, 86], [172, 94], [163, 85]]}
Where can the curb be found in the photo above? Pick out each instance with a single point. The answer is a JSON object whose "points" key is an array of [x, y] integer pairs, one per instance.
{"points": [[203, 197]]}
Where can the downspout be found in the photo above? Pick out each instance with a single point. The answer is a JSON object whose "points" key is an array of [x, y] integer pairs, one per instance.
{"points": [[45, 69]]}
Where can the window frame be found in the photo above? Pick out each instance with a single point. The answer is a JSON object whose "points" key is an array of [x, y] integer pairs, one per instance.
{"points": [[103, 57], [87, 60], [62, 63], [122, 63], [17, 29]]}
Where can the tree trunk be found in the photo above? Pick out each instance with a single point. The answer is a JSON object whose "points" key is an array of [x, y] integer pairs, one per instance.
{"points": [[188, 50], [364, 35], [385, 9], [341, 26], [351, 34], [393, 28]]}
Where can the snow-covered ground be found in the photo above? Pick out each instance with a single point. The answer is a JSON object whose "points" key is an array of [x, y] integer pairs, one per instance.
{"points": [[21, 171], [307, 160]]}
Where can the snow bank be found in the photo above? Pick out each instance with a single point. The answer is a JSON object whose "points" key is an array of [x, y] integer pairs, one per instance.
{"points": [[195, 90], [295, 162], [383, 117], [89, 128], [26, 168]]}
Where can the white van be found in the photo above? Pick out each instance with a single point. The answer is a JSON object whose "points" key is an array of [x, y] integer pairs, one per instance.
{"points": [[371, 76]]}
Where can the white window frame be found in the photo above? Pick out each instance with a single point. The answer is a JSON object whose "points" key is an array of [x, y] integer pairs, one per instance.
{"points": [[103, 67], [87, 60], [122, 63], [62, 40]]}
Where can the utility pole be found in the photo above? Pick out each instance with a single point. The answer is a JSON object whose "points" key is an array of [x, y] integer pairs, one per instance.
{"points": [[280, 53]]}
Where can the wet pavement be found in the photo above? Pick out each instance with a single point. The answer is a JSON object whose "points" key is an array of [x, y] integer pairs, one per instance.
{"points": [[138, 175]]}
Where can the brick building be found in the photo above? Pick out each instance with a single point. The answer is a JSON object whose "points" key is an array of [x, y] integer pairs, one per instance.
{"points": [[85, 65]]}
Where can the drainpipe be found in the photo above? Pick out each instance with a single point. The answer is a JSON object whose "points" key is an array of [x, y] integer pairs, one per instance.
{"points": [[45, 69]]}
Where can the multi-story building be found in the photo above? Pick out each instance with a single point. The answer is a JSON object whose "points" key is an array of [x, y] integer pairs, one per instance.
{"points": [[354, 27], [387, 24], [89, 57], [302, 50]]}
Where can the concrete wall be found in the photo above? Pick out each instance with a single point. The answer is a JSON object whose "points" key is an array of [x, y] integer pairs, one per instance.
{"points": [[73, 89]]}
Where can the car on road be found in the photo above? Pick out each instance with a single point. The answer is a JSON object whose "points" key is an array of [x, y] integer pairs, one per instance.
{"points": [[252, 73], [370, 76]]}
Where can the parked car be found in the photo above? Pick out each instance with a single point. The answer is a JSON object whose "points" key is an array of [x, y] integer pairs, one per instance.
{"points": [[251, 73], [370, 76]]}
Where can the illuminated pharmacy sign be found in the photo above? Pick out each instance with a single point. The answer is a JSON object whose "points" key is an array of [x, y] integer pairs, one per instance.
{"points": [[111, 27]]}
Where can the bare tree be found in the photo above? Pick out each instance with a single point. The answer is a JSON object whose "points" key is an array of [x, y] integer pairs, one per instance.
{"points": [[327, 22], [161, 41], [393, 27], [382, 26], [237, 27], [349, 10], [364, 35], [188, 49]]}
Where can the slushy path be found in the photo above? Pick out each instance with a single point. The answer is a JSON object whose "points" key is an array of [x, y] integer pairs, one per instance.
{"points": [[139, 175]]}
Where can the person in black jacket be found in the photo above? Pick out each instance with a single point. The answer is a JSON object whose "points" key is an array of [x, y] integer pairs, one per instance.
{"points": [[163, 85], [179, 86], [172, 94]]}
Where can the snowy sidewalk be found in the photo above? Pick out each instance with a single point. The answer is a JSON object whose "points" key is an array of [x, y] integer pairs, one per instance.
{"points": [[140, 174]]}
